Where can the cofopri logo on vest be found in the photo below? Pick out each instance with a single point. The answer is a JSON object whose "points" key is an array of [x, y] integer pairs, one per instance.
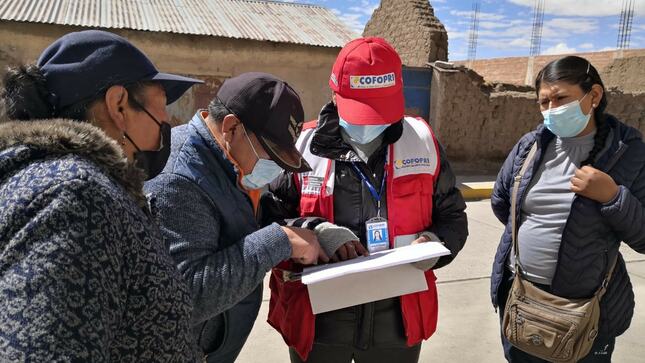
{"points": [[411, 162]]}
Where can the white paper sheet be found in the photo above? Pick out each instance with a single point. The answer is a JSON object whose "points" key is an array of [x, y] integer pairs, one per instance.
{"points": [[364, 287], [376, 261], [379, 276]]}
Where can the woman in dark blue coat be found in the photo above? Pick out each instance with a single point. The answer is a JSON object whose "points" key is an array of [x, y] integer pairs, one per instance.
{"points": [[581, 196]]}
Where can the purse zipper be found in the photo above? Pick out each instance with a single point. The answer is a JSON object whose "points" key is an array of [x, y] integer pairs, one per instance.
{"points": [[553, 309]]}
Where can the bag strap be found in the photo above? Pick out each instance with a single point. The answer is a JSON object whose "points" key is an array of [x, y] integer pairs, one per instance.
{"points": [[516, 185], [603, 286]]}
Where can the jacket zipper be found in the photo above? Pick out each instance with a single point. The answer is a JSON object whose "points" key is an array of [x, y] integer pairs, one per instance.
{"points": [[622, 147], [612, 162]]}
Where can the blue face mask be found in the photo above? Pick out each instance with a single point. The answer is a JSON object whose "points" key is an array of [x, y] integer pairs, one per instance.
{"points": [[263, 173], [362, 134], [567, 120]]}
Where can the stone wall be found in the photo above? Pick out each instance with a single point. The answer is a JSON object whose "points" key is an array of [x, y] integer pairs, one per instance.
{"points": [[411, 27], [479, 123], [513, 70], [212, 59]]}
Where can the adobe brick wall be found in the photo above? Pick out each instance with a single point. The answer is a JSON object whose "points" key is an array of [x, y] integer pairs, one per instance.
{"points": [[626, 74], [628, 107], [411, 27], [513, 70], [474, 122], [479, 123]]}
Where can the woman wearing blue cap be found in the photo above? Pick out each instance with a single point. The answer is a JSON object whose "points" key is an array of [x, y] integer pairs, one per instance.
{"points": [[84, 275]]}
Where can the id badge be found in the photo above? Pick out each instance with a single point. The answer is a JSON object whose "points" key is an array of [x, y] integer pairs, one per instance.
{"points": [[377, 236]]}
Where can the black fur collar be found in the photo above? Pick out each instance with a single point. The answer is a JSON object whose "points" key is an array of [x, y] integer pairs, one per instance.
{"points": [[62, 137]]}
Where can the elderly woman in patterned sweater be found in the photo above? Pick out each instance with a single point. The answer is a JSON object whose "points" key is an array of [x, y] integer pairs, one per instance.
{"points": [[84, 276]]}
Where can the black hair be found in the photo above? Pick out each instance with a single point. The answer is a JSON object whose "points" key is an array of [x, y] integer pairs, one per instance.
{"points": [[25, 97], [579, 71], [217, 110]]}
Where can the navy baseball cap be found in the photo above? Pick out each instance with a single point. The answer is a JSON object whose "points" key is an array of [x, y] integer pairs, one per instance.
{"points": [[77, 66], [272, 110]]}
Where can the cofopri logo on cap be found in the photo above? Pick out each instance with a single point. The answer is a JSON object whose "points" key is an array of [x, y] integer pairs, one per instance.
{"points": [[375, 81]]}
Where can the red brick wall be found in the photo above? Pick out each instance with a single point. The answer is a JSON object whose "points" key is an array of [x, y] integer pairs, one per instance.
{"points": [[513, 70]]}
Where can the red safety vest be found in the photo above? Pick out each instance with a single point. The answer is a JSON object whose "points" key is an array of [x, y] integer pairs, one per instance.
{"points": [[413, 164]]}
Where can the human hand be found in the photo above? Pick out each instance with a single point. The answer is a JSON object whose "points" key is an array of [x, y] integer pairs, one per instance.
{"points": [[305, 248], [426, 236], [349, 250], [425, 265], [594, 184], [421, 239]]}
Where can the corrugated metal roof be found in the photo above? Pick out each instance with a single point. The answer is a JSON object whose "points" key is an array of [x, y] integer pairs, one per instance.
{"points": [[242, 19]]}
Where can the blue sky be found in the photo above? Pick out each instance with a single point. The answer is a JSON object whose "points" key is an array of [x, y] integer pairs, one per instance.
{"points": [[505, 25]]}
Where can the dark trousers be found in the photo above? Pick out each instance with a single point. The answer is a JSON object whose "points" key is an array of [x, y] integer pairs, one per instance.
{"points": [[601, 351], [325, 353], [234, 326], [368, 333]]}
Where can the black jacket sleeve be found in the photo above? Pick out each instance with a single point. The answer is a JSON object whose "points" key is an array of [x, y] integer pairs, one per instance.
{"points": [[449, 221], [626, 214], [280, 202]]}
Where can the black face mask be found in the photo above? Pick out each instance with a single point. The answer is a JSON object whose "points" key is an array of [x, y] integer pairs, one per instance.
{"points": [[153, 161]]}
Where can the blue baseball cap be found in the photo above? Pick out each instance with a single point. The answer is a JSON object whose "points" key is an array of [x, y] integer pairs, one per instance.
{"points": [[79, 65]]}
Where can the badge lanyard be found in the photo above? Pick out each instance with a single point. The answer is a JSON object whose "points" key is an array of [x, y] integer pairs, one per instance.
{"points": [[376, 228], [377, 196]]}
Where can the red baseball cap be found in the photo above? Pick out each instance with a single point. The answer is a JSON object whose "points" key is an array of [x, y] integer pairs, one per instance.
{"points": [[366, 78]]}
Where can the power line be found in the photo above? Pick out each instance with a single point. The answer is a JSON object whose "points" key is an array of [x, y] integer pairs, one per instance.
{"points": [[474, 29], [538, 23]]}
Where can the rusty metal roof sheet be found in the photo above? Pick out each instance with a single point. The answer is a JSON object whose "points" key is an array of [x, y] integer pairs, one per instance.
{"points": [[243, 19]]}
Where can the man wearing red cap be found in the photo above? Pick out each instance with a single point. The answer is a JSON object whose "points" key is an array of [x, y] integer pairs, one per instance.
{"points": [[386, 179]]}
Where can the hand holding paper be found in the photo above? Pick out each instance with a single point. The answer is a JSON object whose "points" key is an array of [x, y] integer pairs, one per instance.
{"points": [[426, 237], [348, 251]]}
